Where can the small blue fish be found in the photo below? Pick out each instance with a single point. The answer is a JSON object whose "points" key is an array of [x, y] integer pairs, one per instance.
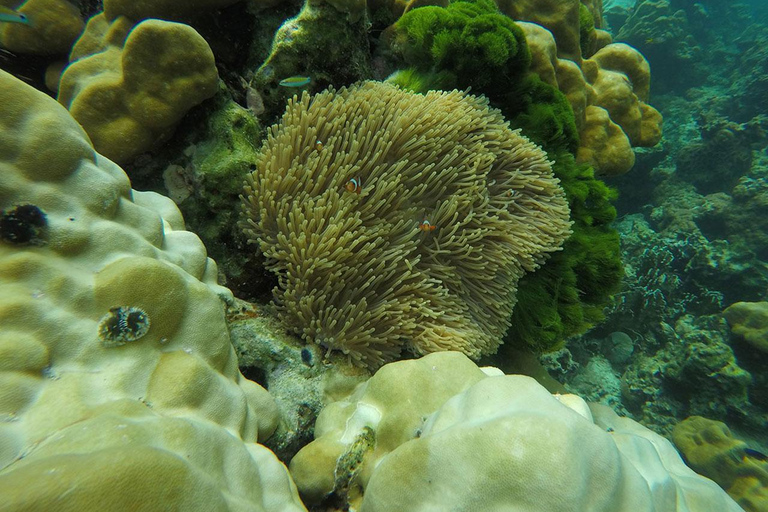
{"points": [[749, 452], [295, 81], [10, 16]]}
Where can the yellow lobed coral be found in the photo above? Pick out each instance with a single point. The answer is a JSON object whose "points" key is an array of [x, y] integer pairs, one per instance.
{"points": [[128, 86], [608, 93], [54, 26], [561, 17], [359, 270], [711, 450], [749, 320], [119, 388]]}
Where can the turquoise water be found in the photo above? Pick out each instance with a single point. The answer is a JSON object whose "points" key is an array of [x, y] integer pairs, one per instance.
{"points": [[356, 232]]}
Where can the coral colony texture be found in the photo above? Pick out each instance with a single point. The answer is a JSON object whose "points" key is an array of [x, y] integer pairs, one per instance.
{"points": [[384, 256]]}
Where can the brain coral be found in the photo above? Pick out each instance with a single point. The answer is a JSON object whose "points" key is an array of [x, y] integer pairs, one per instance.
{"points": [[360, 270]]}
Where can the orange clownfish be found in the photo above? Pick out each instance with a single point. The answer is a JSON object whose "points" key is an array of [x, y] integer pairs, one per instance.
{"points": [[354, 185], [426, 226]]}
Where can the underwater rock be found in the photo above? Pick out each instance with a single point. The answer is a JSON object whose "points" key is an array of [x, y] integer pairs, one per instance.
{"points": [[619, 347], [318, 43]]}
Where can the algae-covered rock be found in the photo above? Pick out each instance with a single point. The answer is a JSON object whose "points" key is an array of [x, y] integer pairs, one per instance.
{"points": [[318, 43]]}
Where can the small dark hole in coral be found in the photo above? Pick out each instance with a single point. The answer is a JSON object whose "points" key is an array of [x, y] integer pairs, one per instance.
{"points": [[257, 375]]}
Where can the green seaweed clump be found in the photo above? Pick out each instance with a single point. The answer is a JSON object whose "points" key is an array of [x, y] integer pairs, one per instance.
{"points": [[567, 295], [470, 44], [587, 34]]}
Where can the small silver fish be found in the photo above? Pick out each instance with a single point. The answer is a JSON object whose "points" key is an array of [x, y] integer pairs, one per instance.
{"points": [[295, 81], [8, 15]]}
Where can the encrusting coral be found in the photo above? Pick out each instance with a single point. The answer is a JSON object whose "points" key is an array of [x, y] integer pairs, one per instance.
{"points": [[397, 220]]}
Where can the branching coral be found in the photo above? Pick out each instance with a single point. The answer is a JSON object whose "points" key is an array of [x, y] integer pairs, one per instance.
{"points": [[359, 268]]}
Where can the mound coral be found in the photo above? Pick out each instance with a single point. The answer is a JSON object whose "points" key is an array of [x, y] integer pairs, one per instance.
{"points": [[115, 395], [711, 449], [397, 220], [466, 438], [53, 27], [129, 85], [749, 320]]}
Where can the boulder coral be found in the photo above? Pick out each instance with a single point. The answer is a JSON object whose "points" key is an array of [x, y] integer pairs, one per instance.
{"points": [[466, 438], [711, 449], [396, 220], [749, 320], [119, 387], [128, 85], [54, 26]]}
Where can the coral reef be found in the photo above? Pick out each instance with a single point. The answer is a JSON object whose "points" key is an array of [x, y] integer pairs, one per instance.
{"points": [[683, 360], [568, 295], [165, 420], [722, 155], [749, 320], [396, 220], [318, 43], [129, 85], [711, 450], [471, 438], [53, 27], [663, 33], [608, 92]]}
